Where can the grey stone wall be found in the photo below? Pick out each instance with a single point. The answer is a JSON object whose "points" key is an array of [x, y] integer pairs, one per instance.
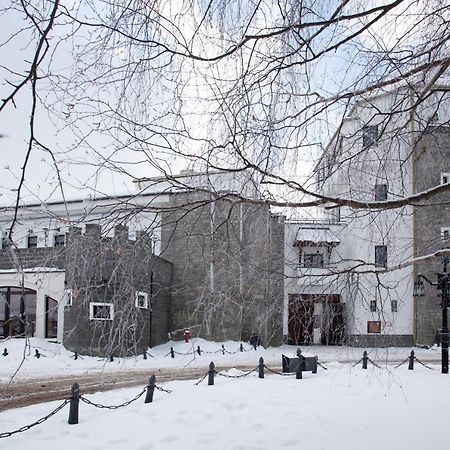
{"points": [[228, 268], [107, 270], [432, 157]]}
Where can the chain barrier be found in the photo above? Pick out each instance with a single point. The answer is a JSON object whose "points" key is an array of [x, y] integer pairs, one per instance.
{"points": [[420, 362], [38, 422], [401, 364], [356, 363], [100, 406], [279, 373], [321, 365], [201, 379], [374, 363], [168, 391], [236, 376]]}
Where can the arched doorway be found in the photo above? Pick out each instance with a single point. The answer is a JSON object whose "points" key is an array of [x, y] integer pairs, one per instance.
{"points": [[17, 311]]}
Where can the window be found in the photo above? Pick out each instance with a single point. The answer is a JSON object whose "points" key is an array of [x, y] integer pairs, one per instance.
{"points": [[394, 306], [141, 300], [373, 305], [381, 192], [32, 241], [59, 240], [380, 256], [445, 178], [445, 235], [374, 326], [370, 135], [311, 260], [69, 297], [101, 311]]}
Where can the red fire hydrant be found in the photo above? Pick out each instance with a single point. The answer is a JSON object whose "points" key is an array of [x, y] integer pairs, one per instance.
{"points": [[187, 336]]}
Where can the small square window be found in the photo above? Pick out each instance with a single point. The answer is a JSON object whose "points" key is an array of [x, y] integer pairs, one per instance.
{"points": [[32, 241], [59, 240], [394, 306], [445, 235], [141, 300], [374, 326], [101, 311], [380, 256], [370, 135], [373, 305], [445, 178], [381, 192]]}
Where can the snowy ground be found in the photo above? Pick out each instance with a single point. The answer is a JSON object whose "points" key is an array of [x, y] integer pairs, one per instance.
{"points": [[56, 360], [343, 407]]}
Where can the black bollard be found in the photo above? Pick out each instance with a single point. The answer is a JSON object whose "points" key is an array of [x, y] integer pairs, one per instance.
{"points": [[223, 349], [298, 373], [261, 368], [145, 355], [5, 352], [150, 389], [365, 358], [411, 361], [172, 353], [74, 403], [241, 348], [111, 358], [211, 373], [75, 356], [198, 350], [37, 354]]}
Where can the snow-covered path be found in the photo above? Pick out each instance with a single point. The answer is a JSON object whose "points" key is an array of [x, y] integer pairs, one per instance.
{"points": [[343, 407]]}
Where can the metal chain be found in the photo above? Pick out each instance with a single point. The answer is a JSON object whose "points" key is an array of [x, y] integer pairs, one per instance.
{"points": [[375, 364], [38, 422], [321, 365], [235, 376], [98, 405], [420, 362], [279, 373], [201, 379], [163, 390], [401, 364]]}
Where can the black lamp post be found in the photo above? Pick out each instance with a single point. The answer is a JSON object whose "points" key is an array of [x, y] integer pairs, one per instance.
{"points": [[442, 284]]}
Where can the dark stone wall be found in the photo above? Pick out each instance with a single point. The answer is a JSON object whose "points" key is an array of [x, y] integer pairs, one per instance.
{"points": [[432, 157], [228, 268], [107, 270]]}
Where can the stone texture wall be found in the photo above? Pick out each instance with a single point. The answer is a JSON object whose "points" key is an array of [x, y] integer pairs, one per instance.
{"points": [[107, 270], [432, 157], [228, 268]]}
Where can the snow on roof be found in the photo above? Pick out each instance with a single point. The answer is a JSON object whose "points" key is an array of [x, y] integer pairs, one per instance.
{"points": [[33, 270], [316, 235]]}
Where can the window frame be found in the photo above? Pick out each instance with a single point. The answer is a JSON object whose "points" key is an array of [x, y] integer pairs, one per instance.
{"points": [[92, 305], [29, 237], [445, 175], [381, 192], [370, 135], [68, 297], [136, 300], [394, 306], [374, 327], [59, 244], [373, 306], [377, 261]]}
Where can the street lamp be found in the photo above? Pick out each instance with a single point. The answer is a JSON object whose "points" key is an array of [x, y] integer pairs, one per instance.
{"points": [[443, 285]]}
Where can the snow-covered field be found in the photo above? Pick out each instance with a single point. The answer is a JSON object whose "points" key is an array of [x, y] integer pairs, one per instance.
{"points": [[56, 360], [343, 407]]}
